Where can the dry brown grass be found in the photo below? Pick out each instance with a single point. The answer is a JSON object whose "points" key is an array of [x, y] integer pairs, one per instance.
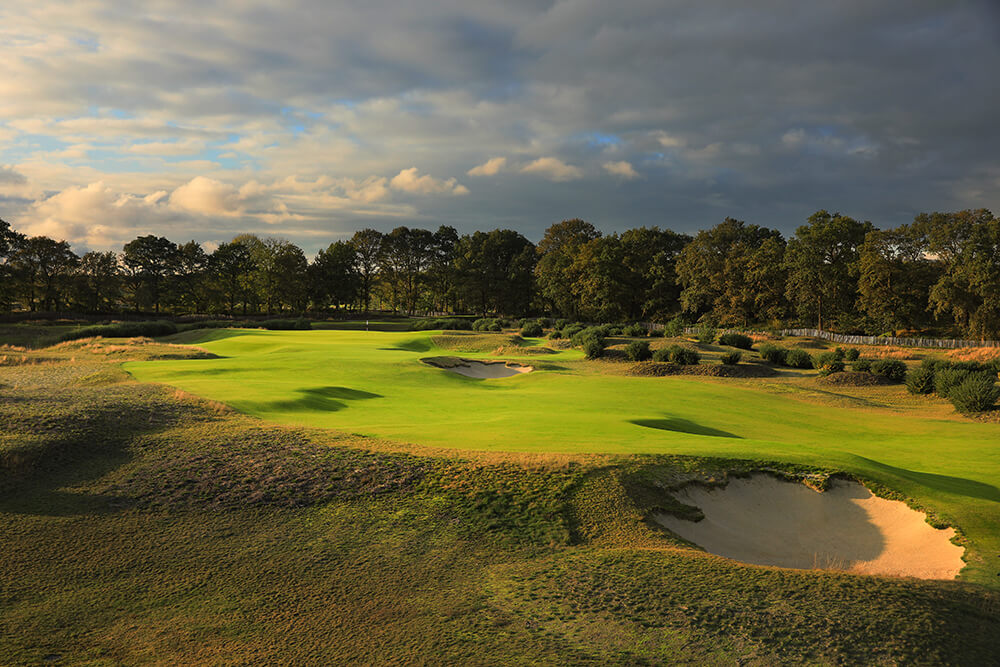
{"points": [[888, 352], [215, 406], [982, 354]]}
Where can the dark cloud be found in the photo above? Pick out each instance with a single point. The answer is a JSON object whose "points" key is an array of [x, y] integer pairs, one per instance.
{"points": [[765, 111]]}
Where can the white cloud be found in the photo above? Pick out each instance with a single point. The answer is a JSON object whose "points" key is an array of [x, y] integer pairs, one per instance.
{"points": [[622, 169], [409, 180], [206, 196], [491, 167], [553, 169]]}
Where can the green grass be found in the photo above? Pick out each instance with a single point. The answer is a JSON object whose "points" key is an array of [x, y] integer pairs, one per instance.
{"points": [[143, 524], [372, 383]]}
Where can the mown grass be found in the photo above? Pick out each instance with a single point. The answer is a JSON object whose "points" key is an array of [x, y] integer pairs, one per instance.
{"points": [[372, 383], [143, 524]]}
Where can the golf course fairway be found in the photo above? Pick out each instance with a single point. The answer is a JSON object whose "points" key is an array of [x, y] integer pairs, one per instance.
{"points": [[373, 384]]}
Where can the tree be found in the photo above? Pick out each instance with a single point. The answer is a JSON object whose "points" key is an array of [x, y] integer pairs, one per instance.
{"points": [[649, 259], [967, 243], [441, 277], [10, 240], [496, 270], [333, 277], [556, 253], [191, 286], [735, 271], [151, 262], [405, 255], [367, 245], [98, 283], [231, 264], [821, 261], [43, 267], [280, 274], [598, 280], [895, 278]]}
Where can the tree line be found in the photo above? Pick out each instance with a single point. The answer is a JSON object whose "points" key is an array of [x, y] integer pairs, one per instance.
{"points": [[940, 271]]}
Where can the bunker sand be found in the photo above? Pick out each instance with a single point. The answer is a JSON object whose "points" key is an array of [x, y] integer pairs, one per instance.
{"points": [[482, 370], [766, 521]]}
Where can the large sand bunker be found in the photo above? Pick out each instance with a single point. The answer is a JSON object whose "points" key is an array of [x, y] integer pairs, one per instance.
{"points": [[766, 521], [483, 370]]}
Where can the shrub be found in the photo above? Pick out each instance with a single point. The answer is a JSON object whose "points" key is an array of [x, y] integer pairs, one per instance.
{"points": [[830, 366], [921, 381], [798, 359], [556, 334], [828, 357], [583, 335], [562, 323], [571, 330], [662, 355], [976, 393], [483, 324], [122, 330], [852, 354], [300, 324], [773, 354], [656, 333], [675, 327], [546, 322], [732, 358], [531, 330], [612, 330], [947, 379], [706, 335], [638, 350], [736, 340], [862, 366], [634, 330], [457, 324], [683, 356], [496, 325], [593, 348], [890, 369]]}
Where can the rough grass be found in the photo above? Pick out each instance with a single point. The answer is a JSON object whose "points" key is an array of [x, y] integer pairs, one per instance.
{"points": [[142, 524]]}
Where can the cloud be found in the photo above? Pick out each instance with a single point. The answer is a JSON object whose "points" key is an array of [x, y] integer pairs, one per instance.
{"points": [[206, 196], [321, 119], [622, 169], [408, 180], [491, 167], [553, 169], [8, 176]]}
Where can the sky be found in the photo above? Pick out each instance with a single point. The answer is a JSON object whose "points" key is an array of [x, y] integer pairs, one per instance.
{"points": [[310, 119]]}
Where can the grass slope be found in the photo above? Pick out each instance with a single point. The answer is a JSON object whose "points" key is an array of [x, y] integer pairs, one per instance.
{"points": [[144, 525], [372, 383]]}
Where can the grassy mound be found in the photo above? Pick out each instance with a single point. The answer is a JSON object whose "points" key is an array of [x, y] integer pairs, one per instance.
{"points": [[150, 525]]}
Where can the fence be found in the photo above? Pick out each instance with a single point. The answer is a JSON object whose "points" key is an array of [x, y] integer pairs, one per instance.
{"points": [[849, 339]]}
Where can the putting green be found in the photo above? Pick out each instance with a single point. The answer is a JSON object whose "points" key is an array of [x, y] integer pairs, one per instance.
{"points": [[372, 383]]}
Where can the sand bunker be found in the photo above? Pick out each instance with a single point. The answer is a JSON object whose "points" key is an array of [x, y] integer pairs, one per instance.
{"points": [[766, 521], [483, 370]]}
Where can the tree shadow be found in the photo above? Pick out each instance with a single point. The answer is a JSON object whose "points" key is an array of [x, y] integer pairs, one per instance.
{"points": [[955, 485], [415, 345], [326, 399], [84, 447], [683, 426]]}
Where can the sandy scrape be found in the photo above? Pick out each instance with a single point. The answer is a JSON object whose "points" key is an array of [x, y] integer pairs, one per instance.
{"points": [[482, 370], [766, 521]]}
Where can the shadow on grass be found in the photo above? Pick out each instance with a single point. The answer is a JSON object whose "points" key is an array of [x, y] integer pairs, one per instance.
{"points": [[415, 345], [955, 485], [83, 447], [328, 399], [683, 426]]}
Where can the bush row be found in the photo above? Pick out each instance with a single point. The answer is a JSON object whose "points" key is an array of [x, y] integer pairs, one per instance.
{"points": [[970, 386]]}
